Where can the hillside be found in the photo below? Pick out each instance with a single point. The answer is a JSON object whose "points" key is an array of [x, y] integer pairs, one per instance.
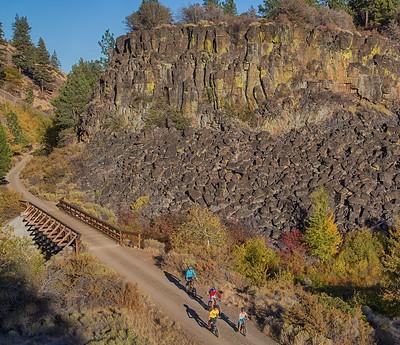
{"points": [[320, 102], [19, 85]]}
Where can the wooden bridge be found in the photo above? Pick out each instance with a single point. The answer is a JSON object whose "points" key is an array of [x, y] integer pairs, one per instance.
{"points": [[50, 234], [124, 238]]}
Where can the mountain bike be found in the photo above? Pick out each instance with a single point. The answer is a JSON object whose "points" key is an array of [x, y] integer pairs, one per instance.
{"points": [[213, 328], [191, 289], [243, 329]]}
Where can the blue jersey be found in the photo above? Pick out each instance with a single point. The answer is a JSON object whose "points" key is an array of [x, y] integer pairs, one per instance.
{"points": [[190, 274]]}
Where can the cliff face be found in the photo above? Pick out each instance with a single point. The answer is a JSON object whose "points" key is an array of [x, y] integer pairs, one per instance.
{"points": [[282, 70], [331, 95]]}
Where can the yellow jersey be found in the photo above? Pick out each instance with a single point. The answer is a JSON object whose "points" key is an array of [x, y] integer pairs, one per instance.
{"points": [[214, 313]]}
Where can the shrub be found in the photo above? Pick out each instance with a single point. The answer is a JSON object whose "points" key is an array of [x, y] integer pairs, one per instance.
{"points": [[359, 262], [163, 115], [15, 128], [317, 319], [391, 261], [10, 206], [13, 79], [201, 231], [322, 236], [300, 11], [5, 152], [149, 15], [18, 257], [140, 202], [293, 253], [255, 261]]}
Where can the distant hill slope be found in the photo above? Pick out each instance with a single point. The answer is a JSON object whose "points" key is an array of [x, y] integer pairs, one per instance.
{"points": [[18, 85]]}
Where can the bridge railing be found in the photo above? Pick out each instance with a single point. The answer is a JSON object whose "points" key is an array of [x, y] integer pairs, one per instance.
{"points": [[124, 238], [53, 229]]}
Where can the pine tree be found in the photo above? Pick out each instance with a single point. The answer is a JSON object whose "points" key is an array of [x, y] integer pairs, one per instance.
{"points": [[209, 3], [2, 38], [377, 12], [74, 97], [2, 53], [229, 7], [5, 152], [42, 69], [54, 61], [337, 4], [107, 45], [24, 56], [322, 235], [267, 6]]}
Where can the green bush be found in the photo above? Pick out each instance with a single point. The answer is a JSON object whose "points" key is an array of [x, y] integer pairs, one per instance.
{"points": [[5, 152], [391, 293], [255, 261], [322, 235], [359, 261], [10, 206], [201, 230], [15, 128], [321, 320]]}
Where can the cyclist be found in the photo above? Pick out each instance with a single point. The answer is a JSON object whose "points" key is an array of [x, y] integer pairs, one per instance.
{"points": [[190, 275], [243, 317], [214, 298], [213, 316]]}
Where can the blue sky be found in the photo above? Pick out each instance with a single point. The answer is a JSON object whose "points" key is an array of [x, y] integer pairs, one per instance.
{"points": [[73, 27]]}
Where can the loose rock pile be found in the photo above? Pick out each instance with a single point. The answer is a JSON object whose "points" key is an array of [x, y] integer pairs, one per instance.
{"points": [[260, 181]]}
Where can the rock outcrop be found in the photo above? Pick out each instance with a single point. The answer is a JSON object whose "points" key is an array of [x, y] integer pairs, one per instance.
{"points": [[256, 179], [324, 99], [281, 70]]}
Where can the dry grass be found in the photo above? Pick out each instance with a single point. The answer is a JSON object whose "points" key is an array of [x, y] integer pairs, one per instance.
{"points": [[52, 178], [10, 206], [32, 122], [85, 288]]}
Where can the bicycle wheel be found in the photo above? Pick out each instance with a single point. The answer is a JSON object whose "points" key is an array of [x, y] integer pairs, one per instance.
{"points": [[216, 331], [194, 292], [244, 330]]}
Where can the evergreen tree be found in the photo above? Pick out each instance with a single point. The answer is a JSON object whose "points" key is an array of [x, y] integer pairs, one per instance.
{"points": [[107, 45], [42, 69], [209, 3], [322, 235], [74, 97], [267, 6], [24, 56], [229, 7], [2, 53], [54, 61], [377, 12], [5, 152], [337, 4], [149, 15], [2, 38]]}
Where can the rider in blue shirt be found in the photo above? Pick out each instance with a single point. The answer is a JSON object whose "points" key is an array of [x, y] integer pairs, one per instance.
{"points": [[190, 275]]}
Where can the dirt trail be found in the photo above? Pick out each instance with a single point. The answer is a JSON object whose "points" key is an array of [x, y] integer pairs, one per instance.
{"points": [[161, 287]]}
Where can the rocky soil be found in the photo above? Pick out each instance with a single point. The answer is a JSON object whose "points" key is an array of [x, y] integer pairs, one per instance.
{"points": [[256, 179]]}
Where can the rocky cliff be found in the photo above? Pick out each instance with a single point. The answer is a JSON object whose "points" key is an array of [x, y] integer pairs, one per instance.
{"points": [[283, 71], [324, 100]]}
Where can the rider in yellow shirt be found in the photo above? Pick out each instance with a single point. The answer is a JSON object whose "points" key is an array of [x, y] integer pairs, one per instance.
{"points": [[213, 316]]}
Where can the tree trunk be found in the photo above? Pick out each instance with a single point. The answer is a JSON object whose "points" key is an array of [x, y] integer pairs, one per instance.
{"points": [[366, 18]]}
